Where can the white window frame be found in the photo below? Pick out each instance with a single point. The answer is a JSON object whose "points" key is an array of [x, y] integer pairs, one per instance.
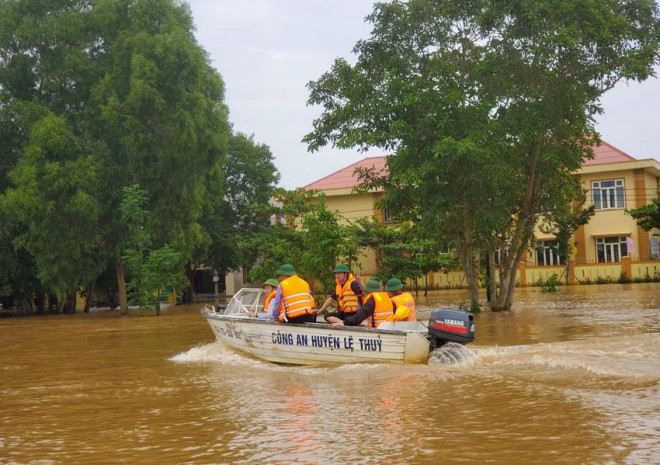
{"points": [[500, 255], [550, 254], [610, 249], [609, 194]]}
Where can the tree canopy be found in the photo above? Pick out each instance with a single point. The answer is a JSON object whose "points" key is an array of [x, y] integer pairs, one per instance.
{"points": [[98, 97], [307, 234], [647, 216]]}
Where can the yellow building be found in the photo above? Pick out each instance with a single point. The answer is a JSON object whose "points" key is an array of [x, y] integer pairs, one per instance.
{"points": [[610, 246]]}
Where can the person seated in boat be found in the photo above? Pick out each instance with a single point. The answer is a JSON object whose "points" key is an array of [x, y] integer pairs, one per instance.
{"points": [[270, 289], [347, 294], [293, 301], [394, 288], [377, 307]]}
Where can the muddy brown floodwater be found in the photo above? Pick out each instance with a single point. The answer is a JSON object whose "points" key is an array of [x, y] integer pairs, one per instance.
{"points": [[571, 377]]}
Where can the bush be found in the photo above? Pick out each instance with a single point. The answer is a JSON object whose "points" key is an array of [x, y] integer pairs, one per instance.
{"points": [[550, 284]]}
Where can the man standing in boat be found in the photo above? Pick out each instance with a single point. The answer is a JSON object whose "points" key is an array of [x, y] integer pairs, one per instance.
{"points": [[377, 308], [401, 299], [347, 294], [293, 301]]}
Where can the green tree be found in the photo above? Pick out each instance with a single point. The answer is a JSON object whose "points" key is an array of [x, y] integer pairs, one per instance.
{"points": [[149, 270], [312, 239], [565, 219], [488, 108], [42, 48], [159, 107], [369, 233], [401, 250], [127, 96], [56, 198], [237, 204], [647, 216]]}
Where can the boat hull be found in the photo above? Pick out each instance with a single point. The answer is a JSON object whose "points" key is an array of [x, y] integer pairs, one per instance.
{"points": [[314, 343]]}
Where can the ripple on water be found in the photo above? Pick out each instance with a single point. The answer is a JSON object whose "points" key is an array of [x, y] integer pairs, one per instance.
{"points": [[622, 361]]}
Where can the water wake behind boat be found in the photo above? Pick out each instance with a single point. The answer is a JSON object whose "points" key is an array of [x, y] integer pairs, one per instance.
{"points": [[631, 360]]}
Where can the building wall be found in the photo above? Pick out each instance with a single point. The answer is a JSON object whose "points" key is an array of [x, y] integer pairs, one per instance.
{"points": [[640, 188], [352, 207]]}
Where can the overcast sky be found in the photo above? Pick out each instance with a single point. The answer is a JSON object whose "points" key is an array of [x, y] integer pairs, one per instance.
{"points": [[268, 50]]}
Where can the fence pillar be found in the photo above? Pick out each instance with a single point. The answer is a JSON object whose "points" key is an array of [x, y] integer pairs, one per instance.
{"points": [[626, 267], [522, 269]]}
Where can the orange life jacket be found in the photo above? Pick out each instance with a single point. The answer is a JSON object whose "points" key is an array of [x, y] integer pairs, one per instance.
{"points": [[297, 298], [346, 299], [267, 300], [383, 308], [405, 299]]}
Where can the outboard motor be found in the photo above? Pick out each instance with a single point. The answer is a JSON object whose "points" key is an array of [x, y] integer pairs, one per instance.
{"points": [[450, 325]]}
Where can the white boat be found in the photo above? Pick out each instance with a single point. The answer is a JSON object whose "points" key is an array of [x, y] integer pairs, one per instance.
{"points": [[316, 343]]}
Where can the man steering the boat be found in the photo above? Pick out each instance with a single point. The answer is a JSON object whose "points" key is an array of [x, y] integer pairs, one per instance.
{"points": [[293, 301], [347, 294]]}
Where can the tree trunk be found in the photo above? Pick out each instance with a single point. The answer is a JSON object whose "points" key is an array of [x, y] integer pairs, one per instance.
{"points": [[567, 257], [39, 302], [187, 296], [465, 248], [158, 301], [523, 231], [61, 305], [89, 294], [466, 256], [121, 286], [502, 301], [492, 282], [70, 305]]}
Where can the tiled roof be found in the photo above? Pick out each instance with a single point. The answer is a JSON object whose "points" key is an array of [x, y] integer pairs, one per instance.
{"points": [[346, 178], [606, 153]]}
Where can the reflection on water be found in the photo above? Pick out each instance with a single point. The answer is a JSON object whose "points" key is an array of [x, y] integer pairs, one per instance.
{"points": [[571, 377]]}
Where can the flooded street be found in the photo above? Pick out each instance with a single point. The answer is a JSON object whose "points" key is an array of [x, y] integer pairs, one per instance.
{"points": [[571, 377]]}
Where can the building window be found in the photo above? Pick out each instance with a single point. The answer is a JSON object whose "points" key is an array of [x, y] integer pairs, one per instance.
{"points": [[500, 255], [547, 253], [389, 217], [611, 249], [608, 194]]}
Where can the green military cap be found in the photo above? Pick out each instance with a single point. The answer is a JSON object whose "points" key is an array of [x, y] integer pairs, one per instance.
{"points": [[271, 282], [373, 286], [341, 269], [393, 284], [286, 270]]}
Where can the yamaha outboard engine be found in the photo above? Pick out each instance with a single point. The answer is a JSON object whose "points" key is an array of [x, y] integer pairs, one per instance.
{"points": [[450, 325]]}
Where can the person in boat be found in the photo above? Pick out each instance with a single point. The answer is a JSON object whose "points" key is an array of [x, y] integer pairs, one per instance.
{"points": [[270, 290], [394, 288], [377, 307], [293, 301], [347, 294]]}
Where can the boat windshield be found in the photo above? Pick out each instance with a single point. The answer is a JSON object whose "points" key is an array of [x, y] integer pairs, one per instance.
{"points": [[245, 300]]}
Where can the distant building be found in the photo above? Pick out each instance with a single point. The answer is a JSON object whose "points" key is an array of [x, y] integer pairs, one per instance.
{"points": [[610, 244]]}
